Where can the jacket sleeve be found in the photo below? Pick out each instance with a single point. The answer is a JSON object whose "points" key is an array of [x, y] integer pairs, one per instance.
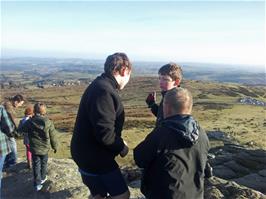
{"points": [[53, 137], [146, 151], [7, 125], [103, 116], [154, 109]]}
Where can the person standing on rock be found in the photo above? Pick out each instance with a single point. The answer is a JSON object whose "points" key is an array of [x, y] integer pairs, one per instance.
{"points": [[96, 139], [174, 154], [10, 106], [42, 134], [6, 129], [28, 114]]}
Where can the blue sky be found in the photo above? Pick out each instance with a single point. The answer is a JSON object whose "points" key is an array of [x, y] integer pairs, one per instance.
{"points": [[195, 31]]}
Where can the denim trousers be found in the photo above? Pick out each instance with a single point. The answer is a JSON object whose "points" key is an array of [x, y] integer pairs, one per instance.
{"points": [[39, 165], [2, 160], [11, 158]]}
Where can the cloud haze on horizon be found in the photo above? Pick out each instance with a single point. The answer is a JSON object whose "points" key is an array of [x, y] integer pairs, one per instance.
{"points": [[215, 32]]}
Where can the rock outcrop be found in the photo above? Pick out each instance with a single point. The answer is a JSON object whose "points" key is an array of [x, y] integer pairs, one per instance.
{"points": [[64, 182], [243, 165]]}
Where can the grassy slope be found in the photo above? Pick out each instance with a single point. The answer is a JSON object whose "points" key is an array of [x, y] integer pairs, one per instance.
{"points": [[216, 107]]}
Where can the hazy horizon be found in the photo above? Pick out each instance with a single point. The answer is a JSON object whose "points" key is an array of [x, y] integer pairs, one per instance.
{"points": [[221, 32]]}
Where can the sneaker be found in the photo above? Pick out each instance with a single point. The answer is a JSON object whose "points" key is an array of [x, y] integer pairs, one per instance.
{"points": [[44, 180], [38, 187]]}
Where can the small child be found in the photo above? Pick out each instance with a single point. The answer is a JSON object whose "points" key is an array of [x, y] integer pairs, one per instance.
{"points": [[170, 77], [42, 134], [28, 114]]}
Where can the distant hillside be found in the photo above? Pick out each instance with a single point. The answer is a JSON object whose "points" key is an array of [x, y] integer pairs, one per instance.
{"points": [[61, 69]]}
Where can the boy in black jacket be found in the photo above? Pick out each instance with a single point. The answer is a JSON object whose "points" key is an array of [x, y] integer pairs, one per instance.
{"points": [[174, 154], [170, 77], [96, 140]]}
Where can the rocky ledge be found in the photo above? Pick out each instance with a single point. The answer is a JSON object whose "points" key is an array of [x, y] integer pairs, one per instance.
{"points": [[64, 182]]}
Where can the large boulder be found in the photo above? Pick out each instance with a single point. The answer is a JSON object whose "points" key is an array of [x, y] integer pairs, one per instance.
{"points": [[64, 182]]}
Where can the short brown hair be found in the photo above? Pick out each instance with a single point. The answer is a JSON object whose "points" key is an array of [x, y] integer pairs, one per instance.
{"points": [[29, 110], [116, 62], [179, 99], [17, 98], [40, 108], [173, 70]]}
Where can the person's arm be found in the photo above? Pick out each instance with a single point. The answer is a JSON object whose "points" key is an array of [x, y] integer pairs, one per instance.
{"points": [[146, 151], [154, 109], [151, 102], [53, 137], [103, 117], [7, 125]]}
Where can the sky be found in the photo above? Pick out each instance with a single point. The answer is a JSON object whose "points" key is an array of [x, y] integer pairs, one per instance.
{"points": [[230, 32]]}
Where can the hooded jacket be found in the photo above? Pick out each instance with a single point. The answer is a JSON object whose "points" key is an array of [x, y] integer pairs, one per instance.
{"points": [[41, 133], [173, 156]]}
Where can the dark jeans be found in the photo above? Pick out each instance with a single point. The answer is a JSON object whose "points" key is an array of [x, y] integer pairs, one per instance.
{"points": [[39, 165], [11, 158]]}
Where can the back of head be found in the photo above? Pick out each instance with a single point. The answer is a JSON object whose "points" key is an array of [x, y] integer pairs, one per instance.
{"points": [[39, 109], [115, 63], [29, 110], [179, 101], [173, 70]]}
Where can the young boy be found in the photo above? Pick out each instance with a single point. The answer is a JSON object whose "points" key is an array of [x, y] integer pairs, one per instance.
{"points": [[28, 114], [170, 77], [41, 134]]}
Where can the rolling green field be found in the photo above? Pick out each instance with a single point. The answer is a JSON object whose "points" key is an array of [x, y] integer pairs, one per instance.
{"points": [[216, 107]]}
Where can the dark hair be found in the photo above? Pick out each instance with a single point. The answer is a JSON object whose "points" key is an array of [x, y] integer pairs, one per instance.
{"points": [[17, 98], [173, 70], [116, 62]]}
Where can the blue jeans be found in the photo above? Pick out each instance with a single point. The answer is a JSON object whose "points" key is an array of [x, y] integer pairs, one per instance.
{"points": [[2, 160], [11, 158], [39, 165]]}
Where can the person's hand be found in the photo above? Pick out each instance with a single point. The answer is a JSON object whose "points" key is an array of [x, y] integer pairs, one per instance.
{"points": [[151, 99], [55, 150], [125, 150]]}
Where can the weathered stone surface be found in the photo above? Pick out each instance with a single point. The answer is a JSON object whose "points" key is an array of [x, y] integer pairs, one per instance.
{"points": [[64, 182], [254, 181], [224, 172], [246, 166]]}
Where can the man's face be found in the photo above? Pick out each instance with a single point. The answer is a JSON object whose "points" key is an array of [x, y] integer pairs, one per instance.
{"points": [[166, 82], [18, 104], [125, 78]]}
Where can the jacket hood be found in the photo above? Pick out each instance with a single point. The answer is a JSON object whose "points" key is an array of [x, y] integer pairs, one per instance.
{"points": [[184, 125], [38, 122]]}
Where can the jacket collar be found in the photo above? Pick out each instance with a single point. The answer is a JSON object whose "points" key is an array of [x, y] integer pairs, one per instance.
{"points": [[111, 79]]}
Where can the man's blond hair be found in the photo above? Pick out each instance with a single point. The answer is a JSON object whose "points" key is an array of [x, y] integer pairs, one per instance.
{"points": [[180, 100]]}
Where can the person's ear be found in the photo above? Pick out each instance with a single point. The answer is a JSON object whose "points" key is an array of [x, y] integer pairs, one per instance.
{"points": [[177, 82], [123, 71]]}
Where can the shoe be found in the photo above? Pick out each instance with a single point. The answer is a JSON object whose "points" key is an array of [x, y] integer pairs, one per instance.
{"points": [[44, 180], [38, 187]]}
